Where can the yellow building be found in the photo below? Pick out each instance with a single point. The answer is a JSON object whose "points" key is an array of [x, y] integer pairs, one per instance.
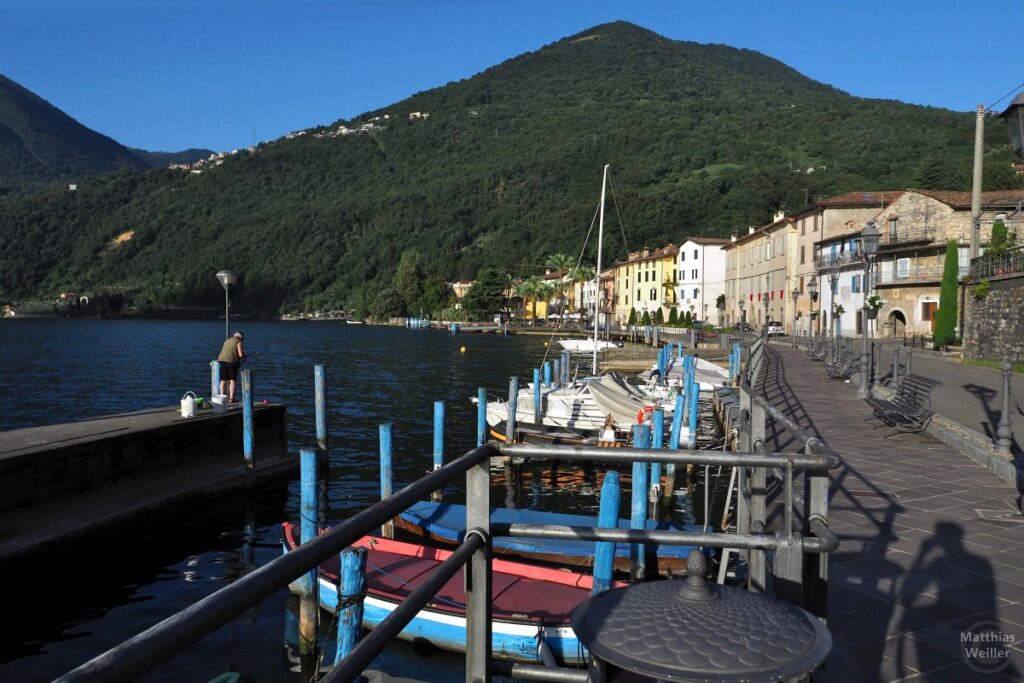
{"points": [[646, 282]]}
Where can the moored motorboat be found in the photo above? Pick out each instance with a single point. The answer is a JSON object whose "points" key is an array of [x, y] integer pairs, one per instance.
{"points": [[530, 603]]}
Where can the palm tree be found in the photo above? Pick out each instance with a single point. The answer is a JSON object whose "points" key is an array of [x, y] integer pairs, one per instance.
{"points": [[534, 288], [561, 264], [582, 275]]}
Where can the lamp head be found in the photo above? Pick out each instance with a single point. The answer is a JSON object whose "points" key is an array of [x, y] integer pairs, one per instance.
{"points": [[869, 237], [812, 286], [796, 295], [1014, 116], [227, 277]]}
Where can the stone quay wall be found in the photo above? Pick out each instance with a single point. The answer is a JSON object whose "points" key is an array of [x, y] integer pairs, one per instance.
{"points": [[994, 326]]}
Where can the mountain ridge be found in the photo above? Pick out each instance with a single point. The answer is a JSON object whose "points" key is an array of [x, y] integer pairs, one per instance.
{"points": [[498, 170]]}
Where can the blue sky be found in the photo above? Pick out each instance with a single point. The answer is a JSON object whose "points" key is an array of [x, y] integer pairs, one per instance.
{"points": [[167, 75]]}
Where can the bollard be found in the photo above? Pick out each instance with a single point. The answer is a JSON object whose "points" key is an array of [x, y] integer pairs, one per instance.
{"points": [[1004, 433], [349, 609], [557, 370], [247, 446], [481, 416], [320, 390], [536, 396], [910, 354], [547, 373], [438, 495], [607, 518], [657, 441], [513, 404], [387, 530], [638, 510], [309, 587], [214, 378]]}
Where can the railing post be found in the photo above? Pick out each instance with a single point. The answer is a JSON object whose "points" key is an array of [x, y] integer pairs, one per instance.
{"points": [[638, 512], [481, 416], [387, 530], [788, 568], [758, 565], [816, 567], [607, 518], [478, 574], [309, 597], [247, 428], [1004, 434], [351, 590]]}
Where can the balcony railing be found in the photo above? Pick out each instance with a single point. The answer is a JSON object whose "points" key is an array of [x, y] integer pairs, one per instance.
{"points": [[827, 260], [993, 265], [905, 235], [911, 275]]}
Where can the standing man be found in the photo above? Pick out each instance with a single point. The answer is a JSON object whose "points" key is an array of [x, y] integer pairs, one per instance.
{"points": [[231, 354]]}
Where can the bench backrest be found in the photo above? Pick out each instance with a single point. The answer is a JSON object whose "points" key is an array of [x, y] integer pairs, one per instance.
{"points": [[915, 392]]}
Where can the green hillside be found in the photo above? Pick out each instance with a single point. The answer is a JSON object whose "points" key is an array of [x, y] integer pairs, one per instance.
{"points": [[507, 168], [40, 144]]}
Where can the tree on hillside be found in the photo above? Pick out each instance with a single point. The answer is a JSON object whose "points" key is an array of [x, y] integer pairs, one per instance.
{"points": [[945, 317], [410, 279], [436, 296], [388, 304], [486, 296]]}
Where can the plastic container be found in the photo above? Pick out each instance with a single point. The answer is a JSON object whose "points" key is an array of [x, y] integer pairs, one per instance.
{"points": [[188, 405]]}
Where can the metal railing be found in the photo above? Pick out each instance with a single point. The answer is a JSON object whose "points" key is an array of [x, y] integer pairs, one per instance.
{"points": [[906, 235], [828, 260], [994, 265], [805, 535]]}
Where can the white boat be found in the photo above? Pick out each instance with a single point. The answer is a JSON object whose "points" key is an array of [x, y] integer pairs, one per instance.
{"points": [[708, 375], [585, 345]]}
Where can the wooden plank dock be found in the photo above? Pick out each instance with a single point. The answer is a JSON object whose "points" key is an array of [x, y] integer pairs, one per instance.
{"points": [[61, 481]]}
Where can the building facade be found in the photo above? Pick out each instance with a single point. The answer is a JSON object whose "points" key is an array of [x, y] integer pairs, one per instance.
{"points": [[644, 282], [701, 277]]}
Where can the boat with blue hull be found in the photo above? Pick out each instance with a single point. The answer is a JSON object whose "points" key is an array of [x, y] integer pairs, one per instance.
{"points": [[445, 523], [530, 604]]}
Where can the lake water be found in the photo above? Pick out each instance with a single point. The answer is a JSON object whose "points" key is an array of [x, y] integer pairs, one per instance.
{"points": [[54, 371]]}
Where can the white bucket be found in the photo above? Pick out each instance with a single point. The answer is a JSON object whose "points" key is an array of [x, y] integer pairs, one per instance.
{"points": [[219, 403], [188, 405]]}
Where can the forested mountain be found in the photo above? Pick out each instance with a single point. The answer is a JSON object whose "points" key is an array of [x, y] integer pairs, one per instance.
{"points": [[41, 144], [702, 139], [161, 159]]}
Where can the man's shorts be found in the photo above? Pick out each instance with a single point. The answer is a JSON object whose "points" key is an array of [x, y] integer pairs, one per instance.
{"points": [[228, 371]]}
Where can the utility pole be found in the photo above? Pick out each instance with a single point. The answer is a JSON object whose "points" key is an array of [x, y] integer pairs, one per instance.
{"points": [[979, 143]]}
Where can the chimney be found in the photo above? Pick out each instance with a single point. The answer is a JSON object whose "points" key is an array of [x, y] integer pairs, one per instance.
{"points": [[779, 215], [734, 238], [750, 230]]}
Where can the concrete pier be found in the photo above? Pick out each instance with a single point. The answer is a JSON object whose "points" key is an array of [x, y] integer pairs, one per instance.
{"points": [[61, 481]]}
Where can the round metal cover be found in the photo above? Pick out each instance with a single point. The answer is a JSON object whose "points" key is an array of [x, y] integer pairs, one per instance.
{"points": [[693, 631]]}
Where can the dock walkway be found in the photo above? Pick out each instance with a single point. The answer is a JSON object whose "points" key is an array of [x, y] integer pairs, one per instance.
{"points": [[931, 544]]}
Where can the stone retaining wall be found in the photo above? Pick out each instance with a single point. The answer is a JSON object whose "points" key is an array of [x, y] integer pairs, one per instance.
{"points": [[994, 326]]}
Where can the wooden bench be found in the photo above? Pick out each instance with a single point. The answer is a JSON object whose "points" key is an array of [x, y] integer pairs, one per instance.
{"points": [[844, 366], [909, 410]]}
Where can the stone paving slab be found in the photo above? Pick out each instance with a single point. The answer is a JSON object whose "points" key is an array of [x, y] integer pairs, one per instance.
{"points": [[918, 563]]}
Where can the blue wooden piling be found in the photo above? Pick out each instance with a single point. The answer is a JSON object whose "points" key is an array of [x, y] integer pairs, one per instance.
{"points": [[320, 389], [638, 510], [558, 370], [438, 495], [661, 364], [536, 395], [387, 530], [607, 518], [513, 406], [657, 441], [547, 373], [309, 608], [247, 445], [481, 416], [214, 378], [350, 600], [694, 411]]}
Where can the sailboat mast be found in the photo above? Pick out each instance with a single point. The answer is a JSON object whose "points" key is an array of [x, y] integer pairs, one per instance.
{"points": [[597, 276]]}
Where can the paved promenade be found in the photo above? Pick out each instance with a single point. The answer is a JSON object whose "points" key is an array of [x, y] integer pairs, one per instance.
{"points": [[930, 541]]}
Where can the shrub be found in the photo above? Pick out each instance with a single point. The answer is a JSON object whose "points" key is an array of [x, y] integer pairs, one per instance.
{"points": [[945, 316]]}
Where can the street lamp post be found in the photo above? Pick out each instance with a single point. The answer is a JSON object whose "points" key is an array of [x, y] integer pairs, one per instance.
{"points": [[833, 281], [812, 289], [764, 298], [227, 278], [869, 247], [796, 295]]}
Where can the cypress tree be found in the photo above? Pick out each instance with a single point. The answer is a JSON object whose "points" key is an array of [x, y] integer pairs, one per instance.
{"points": [[647, 318], [632, 317], [945, 317], [999, 242], [688, 319], [673, 318], [659, 317]]}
